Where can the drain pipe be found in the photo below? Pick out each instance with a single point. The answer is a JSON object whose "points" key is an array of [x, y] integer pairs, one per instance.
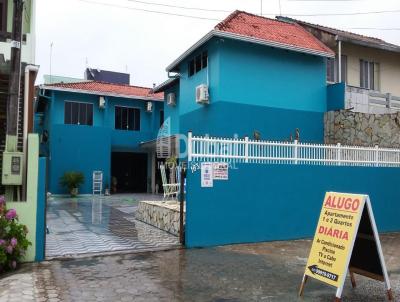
{"points": [[28, 111]]}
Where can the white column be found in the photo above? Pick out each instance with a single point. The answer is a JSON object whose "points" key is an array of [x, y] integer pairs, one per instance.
{"points": [[339, 61]]}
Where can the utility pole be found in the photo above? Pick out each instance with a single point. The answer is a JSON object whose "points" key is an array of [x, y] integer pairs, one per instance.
{"points": [[14, 85], [15, 77], [261, 12]]}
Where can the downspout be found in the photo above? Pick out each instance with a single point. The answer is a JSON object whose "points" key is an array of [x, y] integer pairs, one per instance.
{"points": [[339, 59], [27, 112]]}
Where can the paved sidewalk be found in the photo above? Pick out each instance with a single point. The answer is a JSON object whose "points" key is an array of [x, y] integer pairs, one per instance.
{"points": [[252, 272], [90, 225]]}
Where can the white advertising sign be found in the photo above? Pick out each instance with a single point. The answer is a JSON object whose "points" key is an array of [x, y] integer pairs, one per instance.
{"points": [[207, 175], [220, 171]]}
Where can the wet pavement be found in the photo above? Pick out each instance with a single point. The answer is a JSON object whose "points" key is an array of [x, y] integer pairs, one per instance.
{"points": [[99, 224], [251, 272]]}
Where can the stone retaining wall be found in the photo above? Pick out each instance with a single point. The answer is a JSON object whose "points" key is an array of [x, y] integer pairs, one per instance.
{"points": [[362, 129], [164, 216]]}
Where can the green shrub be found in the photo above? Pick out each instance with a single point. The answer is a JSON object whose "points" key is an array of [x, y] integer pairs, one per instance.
{"points": [[13, 241], [72, 180]]}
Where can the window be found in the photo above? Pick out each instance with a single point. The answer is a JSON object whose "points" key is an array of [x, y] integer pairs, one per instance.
{"points": [[332, 67], [204, 59], [161, 117], [191, 68], [330, 70], [127, 118], [198, 63], [369, 75], [3, 15], [76, 113]]}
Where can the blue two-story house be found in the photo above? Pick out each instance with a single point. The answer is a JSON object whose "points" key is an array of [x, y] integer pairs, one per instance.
{"points": [[261, 75], [96, 126]]}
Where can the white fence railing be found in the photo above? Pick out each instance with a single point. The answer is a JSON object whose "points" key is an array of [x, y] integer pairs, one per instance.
{"points": [[255, 151], [369, 101]]}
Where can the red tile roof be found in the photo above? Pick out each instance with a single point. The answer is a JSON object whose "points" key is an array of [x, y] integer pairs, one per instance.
{"points": [[109, 88], [290, 34]]}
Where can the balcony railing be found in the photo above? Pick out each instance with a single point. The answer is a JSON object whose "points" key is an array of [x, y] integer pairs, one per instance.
{"points": [[369, 101]]}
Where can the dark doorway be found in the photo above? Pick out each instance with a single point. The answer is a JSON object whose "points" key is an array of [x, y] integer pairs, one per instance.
{"points": [[130, 172]]}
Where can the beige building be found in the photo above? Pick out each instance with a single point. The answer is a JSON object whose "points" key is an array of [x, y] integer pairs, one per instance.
{"points": [[370, 67]]}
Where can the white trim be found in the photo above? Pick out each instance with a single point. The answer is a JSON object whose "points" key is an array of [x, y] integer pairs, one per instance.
{"points": [[224, 34], [196, 45], [101, 93]]}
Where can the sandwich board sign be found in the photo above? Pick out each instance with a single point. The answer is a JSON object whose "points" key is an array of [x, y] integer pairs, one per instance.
{"points": [[346, 239]]}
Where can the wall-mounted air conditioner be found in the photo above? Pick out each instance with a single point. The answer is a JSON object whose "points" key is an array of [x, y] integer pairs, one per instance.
{"points": [[202, 94], [149, 106], [171, 99], [102, 102]]}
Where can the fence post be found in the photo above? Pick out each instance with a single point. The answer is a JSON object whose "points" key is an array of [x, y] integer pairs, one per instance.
{"points": [[295, 151], [376, 155], [339, 154], [189, 146], [246, 149], [388, 99]]}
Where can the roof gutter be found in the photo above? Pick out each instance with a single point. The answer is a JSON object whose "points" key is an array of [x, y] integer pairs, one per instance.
{"points": [[223, 34], [149, 98]]}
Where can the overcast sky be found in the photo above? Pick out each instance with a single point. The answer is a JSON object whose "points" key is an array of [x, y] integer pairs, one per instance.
{"points": [[144, 43]]}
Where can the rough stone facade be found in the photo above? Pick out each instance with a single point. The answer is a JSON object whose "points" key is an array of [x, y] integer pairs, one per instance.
{"points": [[362, 129], [164, 216]]}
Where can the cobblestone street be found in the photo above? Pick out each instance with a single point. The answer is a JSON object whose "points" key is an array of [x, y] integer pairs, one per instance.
{"points": [[253, 272]]}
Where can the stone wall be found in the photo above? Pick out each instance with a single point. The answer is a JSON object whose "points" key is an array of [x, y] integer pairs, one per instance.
{"points": [[362, 129], [164, 216]]}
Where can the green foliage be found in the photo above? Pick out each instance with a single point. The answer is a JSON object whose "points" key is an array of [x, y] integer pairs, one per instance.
{"points": [[72, 180], [13, 241], [171, 161]]}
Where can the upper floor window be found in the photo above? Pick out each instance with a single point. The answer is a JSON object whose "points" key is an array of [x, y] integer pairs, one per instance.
{"points": [[78, 113], [3, 15], [127, 118], [332, 67], [198, 63], [369, 75], [161, 117]]}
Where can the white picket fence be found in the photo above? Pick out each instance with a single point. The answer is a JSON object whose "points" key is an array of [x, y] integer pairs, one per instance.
{"points": [[214, 149]]}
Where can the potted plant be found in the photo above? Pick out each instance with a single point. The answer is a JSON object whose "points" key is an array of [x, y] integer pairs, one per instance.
{"points": [[72, 180]]}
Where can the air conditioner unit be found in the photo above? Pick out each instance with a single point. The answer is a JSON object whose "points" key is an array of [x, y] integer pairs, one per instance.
{"points": [[202, 94], [102, 102], [171, 99], [149, 106]]}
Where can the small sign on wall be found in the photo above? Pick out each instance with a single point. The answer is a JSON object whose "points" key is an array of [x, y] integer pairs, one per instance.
{"points": [[220, 171], [207, 175]]}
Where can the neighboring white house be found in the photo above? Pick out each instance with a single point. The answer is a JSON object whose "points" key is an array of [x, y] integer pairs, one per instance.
{"points": [[369, 66]]}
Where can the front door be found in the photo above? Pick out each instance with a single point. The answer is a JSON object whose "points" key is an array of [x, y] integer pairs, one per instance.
{"points": [[129, 172]]}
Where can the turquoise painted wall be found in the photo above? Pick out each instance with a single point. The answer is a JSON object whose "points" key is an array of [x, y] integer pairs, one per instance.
{"points": [[172, 112], [265, 76], [336, 96], [281, 202], [227, 119], [88, 148], [254, 87]]}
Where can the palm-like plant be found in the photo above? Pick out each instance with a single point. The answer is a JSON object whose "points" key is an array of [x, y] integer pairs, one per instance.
{"points": [[72, 180]]}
